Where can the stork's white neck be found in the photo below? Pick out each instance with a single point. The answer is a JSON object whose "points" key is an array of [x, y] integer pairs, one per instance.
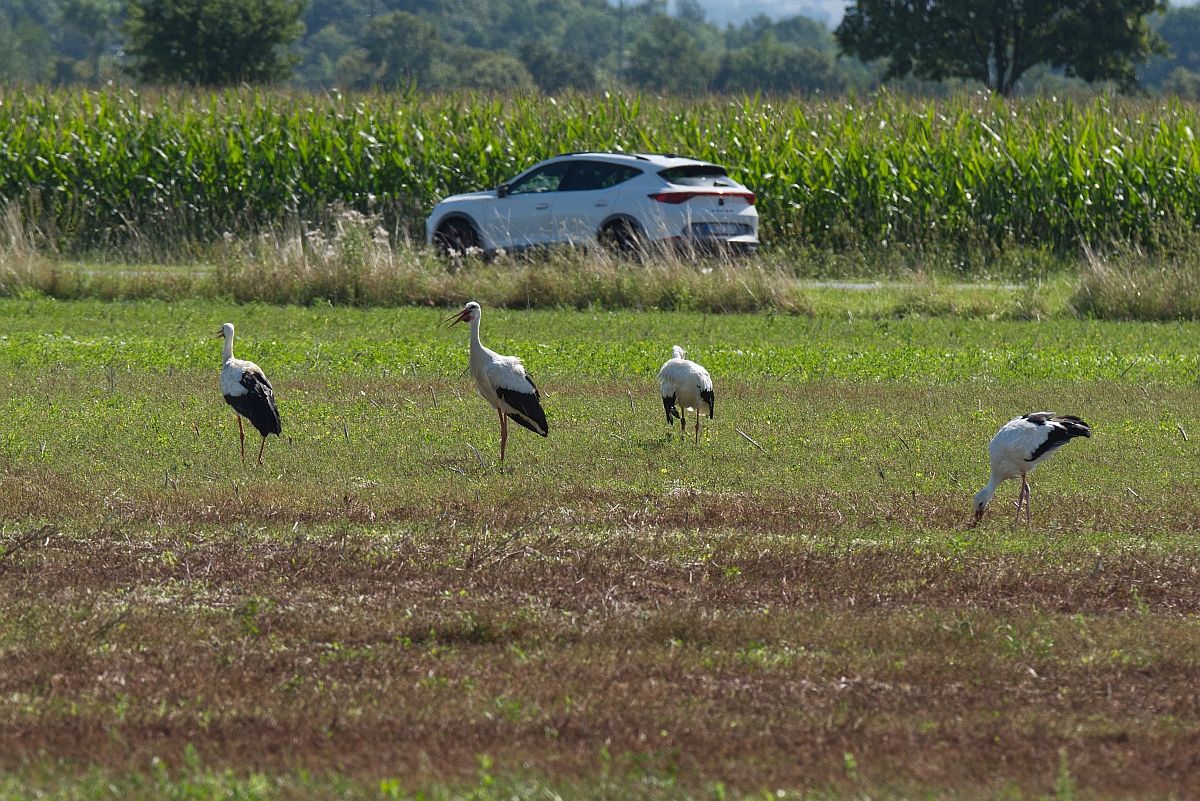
{"points": [[228, 349], [476, 346], [985, 495]]}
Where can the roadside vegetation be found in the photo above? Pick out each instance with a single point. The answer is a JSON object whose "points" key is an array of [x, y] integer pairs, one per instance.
{"points": [[351, 261]]}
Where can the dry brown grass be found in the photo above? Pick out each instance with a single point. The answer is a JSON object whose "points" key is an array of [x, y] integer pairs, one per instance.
{"points": [[1125, 282], [411, 654]]}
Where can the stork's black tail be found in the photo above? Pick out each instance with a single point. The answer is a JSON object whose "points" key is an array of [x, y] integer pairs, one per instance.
{"points": [[1074, 426], [706, 395]]}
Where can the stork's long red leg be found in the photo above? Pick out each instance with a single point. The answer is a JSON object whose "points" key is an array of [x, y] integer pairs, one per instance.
{"points": [[1028, 513], [697, 426], [1020, 500], [260, 449], [503, 434], [242, 432], [682, 423]]}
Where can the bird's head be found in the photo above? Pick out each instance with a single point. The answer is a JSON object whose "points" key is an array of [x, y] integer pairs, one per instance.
{"points": [[469, 312], [678, 353], [982, 499], [225, 331]]}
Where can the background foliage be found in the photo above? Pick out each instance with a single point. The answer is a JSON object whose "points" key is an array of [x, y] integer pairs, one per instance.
{"points": [[212, 42], [468, 43]]}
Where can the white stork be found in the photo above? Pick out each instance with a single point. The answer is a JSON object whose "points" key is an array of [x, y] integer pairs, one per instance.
{"points": [[502, 382], [1020, 446], [248, 391], [685, 384]]}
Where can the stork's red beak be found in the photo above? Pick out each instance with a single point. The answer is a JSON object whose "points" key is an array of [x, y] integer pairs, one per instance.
{"points": [[463, 316], [978, 517], [220, 333]]}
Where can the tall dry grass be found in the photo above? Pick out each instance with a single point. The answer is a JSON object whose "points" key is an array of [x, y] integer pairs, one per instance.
{"points": [[928, 295], [350, 259], [1126, 282]]}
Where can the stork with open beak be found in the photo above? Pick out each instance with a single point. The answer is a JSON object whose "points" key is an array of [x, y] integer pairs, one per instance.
{"points": [[502, 381]]}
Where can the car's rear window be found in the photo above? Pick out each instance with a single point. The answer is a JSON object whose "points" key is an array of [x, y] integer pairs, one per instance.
{"points": [[697, 175]]}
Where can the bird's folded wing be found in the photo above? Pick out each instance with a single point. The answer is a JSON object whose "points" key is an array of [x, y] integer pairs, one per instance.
{"points": [[258, 404], [1056, 437], [256, 383], [509, 374], [526, 409]]}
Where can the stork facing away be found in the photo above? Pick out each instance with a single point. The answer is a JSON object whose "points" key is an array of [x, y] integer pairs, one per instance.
{"points": [[686, 385], [502, 382], [248, 391], [1020, 446]]}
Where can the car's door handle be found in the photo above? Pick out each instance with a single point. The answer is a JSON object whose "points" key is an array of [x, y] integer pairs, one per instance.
{"points": [[542, 206], [602, 203]]}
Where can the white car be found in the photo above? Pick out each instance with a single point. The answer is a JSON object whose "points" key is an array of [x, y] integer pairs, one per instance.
{"points": [[618, 199]]}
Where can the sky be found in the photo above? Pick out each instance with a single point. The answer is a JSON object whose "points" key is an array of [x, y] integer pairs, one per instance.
{"points": [[737, 11]]}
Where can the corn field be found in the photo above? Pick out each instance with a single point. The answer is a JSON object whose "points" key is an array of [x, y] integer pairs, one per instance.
{"points": [[100, 169]]}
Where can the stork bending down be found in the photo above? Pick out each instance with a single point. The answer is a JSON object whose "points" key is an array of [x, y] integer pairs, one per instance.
{"points": [[248, 391], [685, 384], [1020, 446], [502, 382]]}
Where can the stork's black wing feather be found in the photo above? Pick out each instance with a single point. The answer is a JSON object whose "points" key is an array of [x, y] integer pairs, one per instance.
{"points": [[528, 407], [1060, 431], [258, 404], [672, 412], [706, 395]]}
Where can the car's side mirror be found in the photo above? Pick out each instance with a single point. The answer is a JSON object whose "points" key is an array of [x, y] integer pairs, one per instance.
{"points": [[502, 190]]}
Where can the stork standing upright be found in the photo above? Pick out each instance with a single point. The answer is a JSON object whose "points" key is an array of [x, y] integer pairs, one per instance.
{"points": [[1020, 446], [685, 384], [248, 391], [502, 382]]}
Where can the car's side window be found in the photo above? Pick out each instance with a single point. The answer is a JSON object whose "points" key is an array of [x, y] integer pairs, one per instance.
{"points": [[546, 179], [589, 175]]}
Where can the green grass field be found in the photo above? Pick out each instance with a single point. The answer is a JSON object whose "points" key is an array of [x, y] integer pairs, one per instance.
{"points": [[795, 608]]}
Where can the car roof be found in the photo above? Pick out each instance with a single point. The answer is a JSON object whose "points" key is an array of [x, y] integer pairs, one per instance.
{"points": [[655, 159]]}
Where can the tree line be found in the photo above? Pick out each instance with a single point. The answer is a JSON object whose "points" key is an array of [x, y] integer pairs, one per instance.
{"points": [[1005, 45]]}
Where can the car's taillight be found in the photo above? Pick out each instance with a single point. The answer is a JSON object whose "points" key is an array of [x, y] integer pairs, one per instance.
{"points": [[678, 196]]}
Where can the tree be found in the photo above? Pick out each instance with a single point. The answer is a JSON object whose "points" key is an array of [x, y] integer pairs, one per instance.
{"points": [[768, 64], [495, 70], [24, 50], [90, 20], [555, 69], [798, 31], [401, 48], [995, 41], [1180, 30], [1183, 83], [329, 57], [668, 59], [212, 42]]}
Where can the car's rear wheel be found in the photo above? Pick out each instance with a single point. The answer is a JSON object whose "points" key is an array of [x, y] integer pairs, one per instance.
{"points": [[455, 237], [622, 235]]}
